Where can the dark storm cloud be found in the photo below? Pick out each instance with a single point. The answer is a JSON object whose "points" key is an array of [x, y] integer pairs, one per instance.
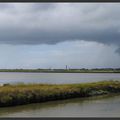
{"points": [[48, 37], [50, 23], [118, 51]]}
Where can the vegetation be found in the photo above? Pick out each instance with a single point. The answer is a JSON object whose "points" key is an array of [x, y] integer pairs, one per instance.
{"points": [[11, 95], [83, 70]]}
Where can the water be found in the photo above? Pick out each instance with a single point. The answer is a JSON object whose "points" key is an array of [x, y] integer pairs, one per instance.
{"points": [[85, 107], [105, 106], [56, 78]]}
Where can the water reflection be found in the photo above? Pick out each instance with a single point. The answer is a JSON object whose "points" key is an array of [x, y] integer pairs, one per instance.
{"points": [[104, 106]]}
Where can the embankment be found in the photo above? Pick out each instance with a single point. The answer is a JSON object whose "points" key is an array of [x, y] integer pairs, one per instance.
{"points": [[12, 95]]}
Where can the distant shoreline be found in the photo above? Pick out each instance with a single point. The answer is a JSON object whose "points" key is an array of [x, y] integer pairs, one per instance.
{"points": [[56, 72], [105, 70]]}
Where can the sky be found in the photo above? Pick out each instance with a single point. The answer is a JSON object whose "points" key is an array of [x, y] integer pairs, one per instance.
{"points": [[53, 35]]}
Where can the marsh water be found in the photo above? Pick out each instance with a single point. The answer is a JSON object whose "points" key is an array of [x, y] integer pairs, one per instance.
{"points": [[104, 106], [56, 78]]}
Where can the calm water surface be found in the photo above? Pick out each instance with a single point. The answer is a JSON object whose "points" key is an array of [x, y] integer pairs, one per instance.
{"points": [[56, 78], [88, 107]]}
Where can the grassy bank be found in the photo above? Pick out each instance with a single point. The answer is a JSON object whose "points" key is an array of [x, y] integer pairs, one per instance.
{"points": [[11, 95]]}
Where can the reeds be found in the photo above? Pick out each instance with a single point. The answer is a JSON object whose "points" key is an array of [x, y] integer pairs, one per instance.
{"points": [[11, 95]]}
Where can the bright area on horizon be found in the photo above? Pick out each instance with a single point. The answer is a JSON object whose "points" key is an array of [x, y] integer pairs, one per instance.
{"points": [[52, 35]]}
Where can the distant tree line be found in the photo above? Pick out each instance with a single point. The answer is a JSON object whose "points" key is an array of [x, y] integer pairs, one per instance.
{"points": [[82, 70]]}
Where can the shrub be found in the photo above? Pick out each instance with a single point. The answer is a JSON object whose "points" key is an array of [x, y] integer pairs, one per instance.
{"points": [[6, 100]]}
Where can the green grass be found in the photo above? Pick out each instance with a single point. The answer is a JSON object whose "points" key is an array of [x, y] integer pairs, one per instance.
{"points": [[11, 95]]}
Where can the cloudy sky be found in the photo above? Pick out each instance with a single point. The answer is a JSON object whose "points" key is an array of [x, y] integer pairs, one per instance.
{"points": [[52, 35]]}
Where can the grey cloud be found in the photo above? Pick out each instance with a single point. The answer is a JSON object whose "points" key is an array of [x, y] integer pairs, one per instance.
{"points": [[118, 51], [42, 6], [4, 6], [48, 37], [50, 23]]}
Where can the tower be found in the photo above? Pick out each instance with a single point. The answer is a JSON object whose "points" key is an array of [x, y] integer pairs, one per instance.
{"points": [[66, 67]]}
